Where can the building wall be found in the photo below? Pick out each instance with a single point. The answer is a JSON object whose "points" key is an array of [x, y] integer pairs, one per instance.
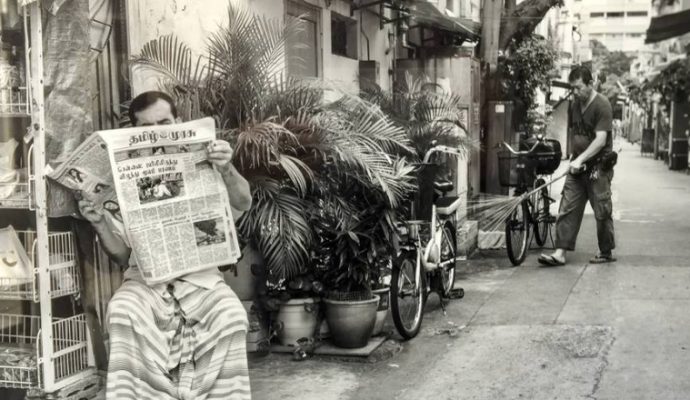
{"points": [[148, 20], [619, 24], [342, 71]]}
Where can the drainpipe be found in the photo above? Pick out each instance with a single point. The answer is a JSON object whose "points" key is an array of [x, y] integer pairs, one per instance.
{"points": [[403, 31]]}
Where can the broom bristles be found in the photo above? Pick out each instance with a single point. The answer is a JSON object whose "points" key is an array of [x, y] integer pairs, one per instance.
{"points": [[492, 211]]}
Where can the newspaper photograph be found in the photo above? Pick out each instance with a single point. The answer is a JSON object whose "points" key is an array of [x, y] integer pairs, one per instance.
{"points": [[173, 203]]}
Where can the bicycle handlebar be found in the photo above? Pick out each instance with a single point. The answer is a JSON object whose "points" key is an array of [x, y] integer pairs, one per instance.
{"points": [[523, 152], [442, 149]]}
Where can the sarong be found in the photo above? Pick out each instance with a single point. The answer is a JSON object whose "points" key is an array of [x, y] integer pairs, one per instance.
{"points": [[185, 343]]}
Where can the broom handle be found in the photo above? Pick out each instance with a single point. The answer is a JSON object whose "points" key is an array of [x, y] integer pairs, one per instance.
{"points": [[552, 181]]}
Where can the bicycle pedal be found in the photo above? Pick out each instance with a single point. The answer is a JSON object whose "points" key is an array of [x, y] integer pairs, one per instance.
{"points": [[457, 293]]}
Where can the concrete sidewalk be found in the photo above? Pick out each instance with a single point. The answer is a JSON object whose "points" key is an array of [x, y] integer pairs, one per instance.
{"points": [[617, 331]]}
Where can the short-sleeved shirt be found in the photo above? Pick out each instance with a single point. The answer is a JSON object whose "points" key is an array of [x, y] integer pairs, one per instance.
{"points": [[584, 125]]}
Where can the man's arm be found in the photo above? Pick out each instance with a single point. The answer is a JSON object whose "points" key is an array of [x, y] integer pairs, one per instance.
{"points": [[112, 243], [238, 188], [239, 194], [592, 150]]}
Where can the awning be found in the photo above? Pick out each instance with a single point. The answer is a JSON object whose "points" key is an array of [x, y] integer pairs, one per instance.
{"points": [[668, 26], [426, 14]]}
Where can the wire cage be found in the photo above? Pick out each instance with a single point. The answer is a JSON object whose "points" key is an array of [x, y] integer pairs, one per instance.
{"points": [[17, 194], [62, 266], [14, 96], [21, 356], [13, 100]]}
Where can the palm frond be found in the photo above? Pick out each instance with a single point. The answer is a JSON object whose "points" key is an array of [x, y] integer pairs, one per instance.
{"points": [[261, 145], [299, 173], [278, 221], [172, 58]]}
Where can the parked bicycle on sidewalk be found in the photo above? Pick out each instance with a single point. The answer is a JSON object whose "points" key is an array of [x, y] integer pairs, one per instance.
{"points": [[428, 249], [526, 170]]}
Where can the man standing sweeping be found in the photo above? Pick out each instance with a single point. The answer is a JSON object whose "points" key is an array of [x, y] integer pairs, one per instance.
{"points": [[591, 126]]}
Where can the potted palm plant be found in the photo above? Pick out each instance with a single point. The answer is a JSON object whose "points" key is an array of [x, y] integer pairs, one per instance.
{"points": [[355, 226], [297, 151], [428, 117]]}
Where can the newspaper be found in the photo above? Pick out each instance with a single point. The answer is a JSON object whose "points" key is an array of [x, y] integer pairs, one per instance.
{"points": [[87, 172], [173, 203]]}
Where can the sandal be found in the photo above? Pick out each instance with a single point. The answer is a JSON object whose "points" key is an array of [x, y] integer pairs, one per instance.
{"points": [[602, 258], [550, 261]]}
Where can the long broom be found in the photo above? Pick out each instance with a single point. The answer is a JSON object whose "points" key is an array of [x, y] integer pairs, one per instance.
{"points": [[492, 211]]}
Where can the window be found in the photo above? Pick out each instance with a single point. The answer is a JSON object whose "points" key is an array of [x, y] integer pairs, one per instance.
{"points": [[617, 14], [637, 13], [596, 15], [343, 36], [303, 50], [634, 35], [576, 15]]}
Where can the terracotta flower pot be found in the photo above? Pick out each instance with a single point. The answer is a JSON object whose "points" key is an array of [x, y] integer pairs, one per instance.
{"points": [[298, 319], [351, 322]]}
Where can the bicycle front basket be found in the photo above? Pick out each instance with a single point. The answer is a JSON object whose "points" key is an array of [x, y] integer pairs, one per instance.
{"points": [[511, 166], [547, 155]]}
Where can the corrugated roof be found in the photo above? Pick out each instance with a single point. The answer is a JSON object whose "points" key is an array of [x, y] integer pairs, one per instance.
{"points": [[426, 14]]}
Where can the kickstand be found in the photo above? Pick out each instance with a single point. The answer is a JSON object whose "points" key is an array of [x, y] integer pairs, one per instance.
{"points": [[443, 302]]}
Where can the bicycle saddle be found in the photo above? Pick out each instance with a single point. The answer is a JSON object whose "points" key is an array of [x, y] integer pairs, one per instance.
{"points": [[443, 186], [447, 205]]}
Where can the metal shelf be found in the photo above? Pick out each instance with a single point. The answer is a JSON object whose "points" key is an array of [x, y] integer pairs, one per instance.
{"points": [[62, 266], [21, 357], [53, 355], [14, 101], [19, 196]]}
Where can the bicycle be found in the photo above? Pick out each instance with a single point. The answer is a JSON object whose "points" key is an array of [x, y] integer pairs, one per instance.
{"points": [[427, 260], [525, 170]]}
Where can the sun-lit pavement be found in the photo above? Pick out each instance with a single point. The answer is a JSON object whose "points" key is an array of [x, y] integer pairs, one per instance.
{"points": [[618, 331]]}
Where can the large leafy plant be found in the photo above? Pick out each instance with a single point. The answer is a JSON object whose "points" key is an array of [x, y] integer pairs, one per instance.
{"points": [[529, 66], [299, 153], [428, 115]]}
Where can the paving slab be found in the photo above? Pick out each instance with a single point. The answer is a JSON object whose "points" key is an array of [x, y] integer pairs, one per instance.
{"points": [[532, 295], [517, 362], [651, 354]]}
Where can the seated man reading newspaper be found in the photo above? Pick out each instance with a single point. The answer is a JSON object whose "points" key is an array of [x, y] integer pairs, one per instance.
{"points": [[184, 339]]}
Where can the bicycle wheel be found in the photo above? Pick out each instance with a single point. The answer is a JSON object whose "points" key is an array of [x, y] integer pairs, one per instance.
{"points": [[448, 252], [541, 203], [517, 234], [408, 294]]}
